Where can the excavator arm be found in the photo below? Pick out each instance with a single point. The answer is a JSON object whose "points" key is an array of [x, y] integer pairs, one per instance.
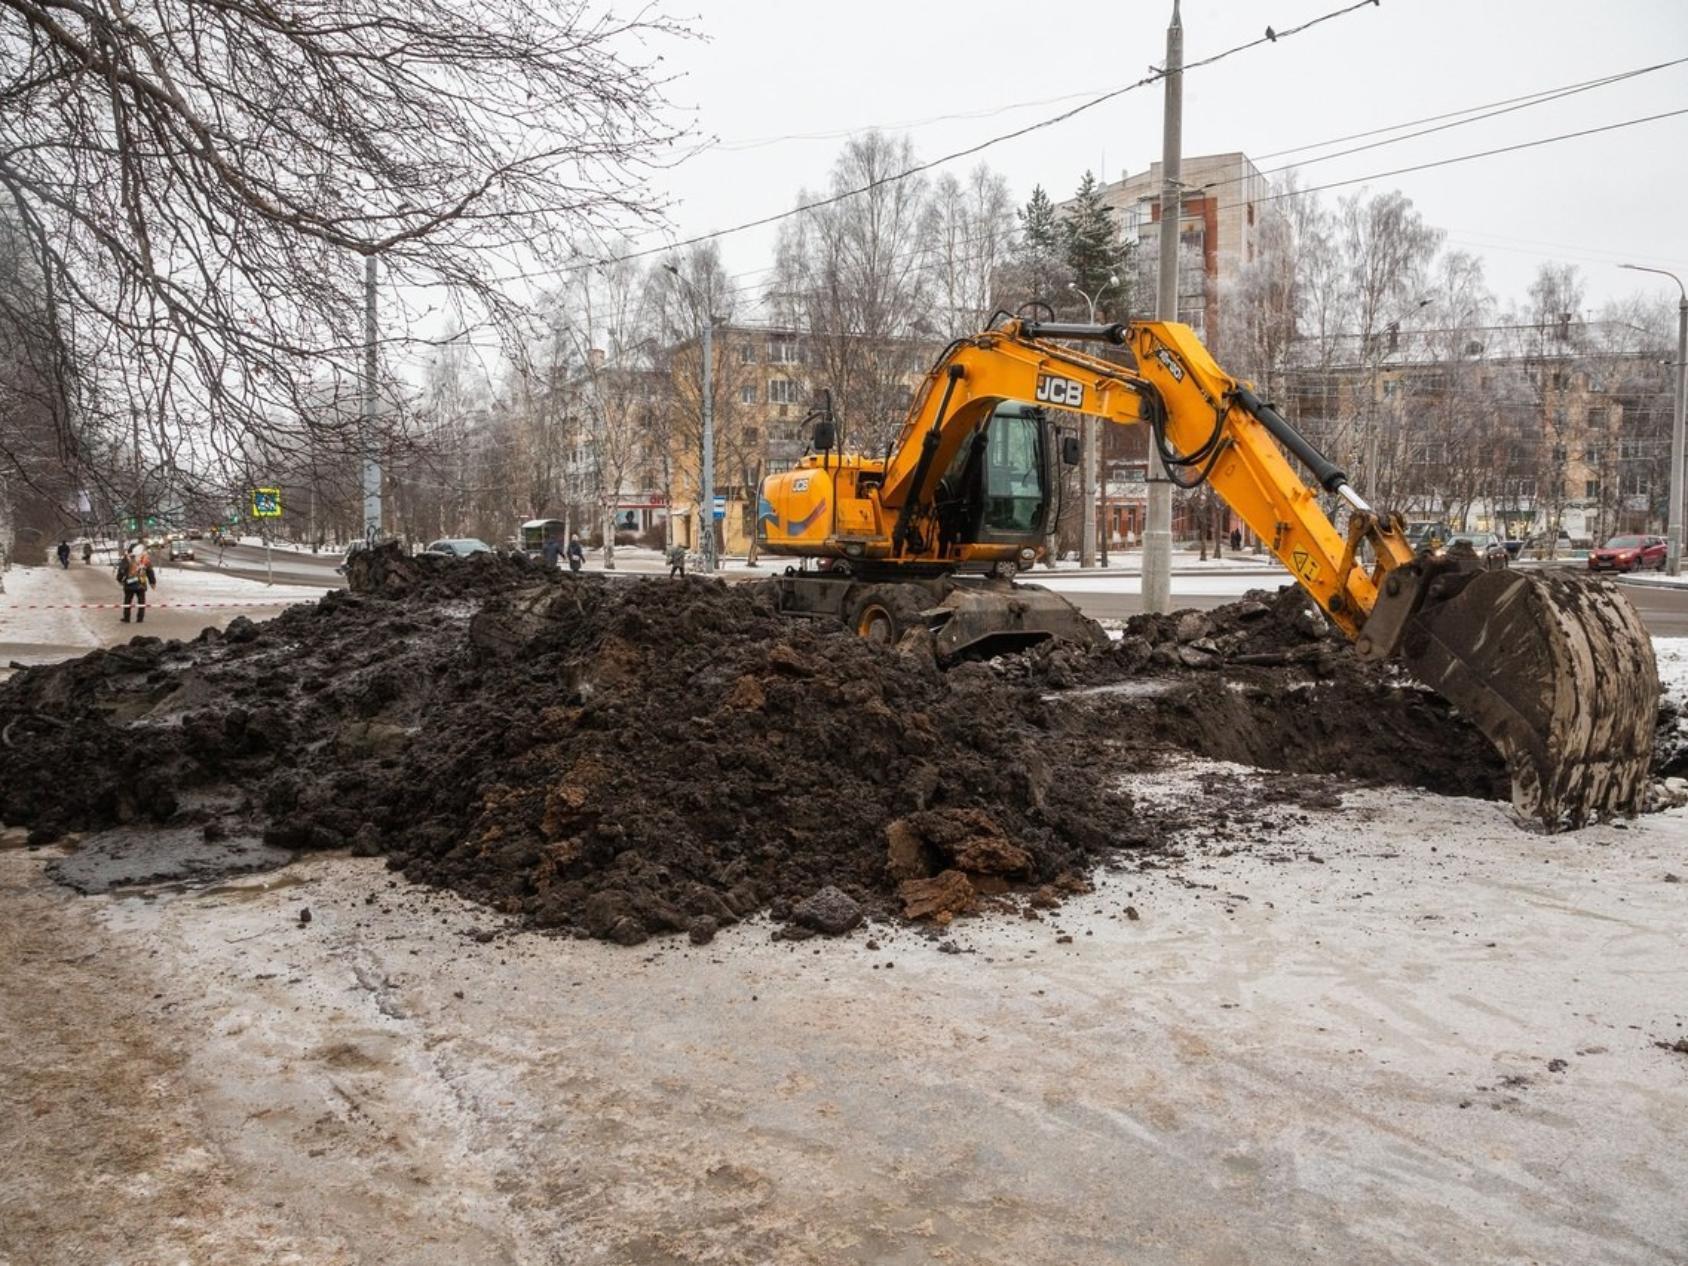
{"points": [[1557, 670]]}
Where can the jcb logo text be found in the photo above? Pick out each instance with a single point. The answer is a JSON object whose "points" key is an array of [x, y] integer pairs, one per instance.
{"points": [[1064, 391]]}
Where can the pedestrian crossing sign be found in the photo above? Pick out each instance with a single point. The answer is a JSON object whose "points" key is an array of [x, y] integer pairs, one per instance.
{"points": [[266, 503]]}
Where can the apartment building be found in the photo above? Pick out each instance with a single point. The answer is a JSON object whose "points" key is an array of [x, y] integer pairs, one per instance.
{"points": [[1223, 200]]}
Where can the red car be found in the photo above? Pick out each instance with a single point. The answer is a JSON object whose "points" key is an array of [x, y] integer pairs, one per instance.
{"points": [[1629, 553]]}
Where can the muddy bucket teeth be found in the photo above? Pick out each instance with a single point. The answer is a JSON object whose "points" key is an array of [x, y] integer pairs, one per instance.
{"points": [[1557, 670]]}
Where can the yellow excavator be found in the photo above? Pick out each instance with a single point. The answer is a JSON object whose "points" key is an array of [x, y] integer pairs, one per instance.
{"points": [[1557, 670]]}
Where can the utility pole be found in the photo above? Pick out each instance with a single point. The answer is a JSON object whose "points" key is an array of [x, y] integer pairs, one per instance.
{"points": [[706, 476], [1673, 514], [1157, 530], [371, 466]]}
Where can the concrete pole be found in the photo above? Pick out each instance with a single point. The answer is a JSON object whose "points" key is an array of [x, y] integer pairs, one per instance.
{"points": [[1678, 438], [706, 477], [1157, 530], [1673, 512], [1087, 532], [371, 466]]}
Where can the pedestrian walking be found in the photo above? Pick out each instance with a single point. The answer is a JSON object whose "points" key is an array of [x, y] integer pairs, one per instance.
{"points": [[1236, 539], [552, 551], [87, 553], [135, 574], [677, 561], [577, 554], [64, 555]]}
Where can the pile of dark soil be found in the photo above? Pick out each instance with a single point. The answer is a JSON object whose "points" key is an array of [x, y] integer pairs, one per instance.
{"points": [[616, 757], [621, 758], [1268, 681]]}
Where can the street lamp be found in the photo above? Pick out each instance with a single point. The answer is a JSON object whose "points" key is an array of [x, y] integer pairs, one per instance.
{"points": [[706, 469], [1673, 530], [1087, 430]]}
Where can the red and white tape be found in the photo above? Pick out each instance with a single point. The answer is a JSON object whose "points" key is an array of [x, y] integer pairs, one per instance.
{"points": [[151, 606]]}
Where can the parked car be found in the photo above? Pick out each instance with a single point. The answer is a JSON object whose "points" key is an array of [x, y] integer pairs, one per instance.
{"points": [[459, 547], [1486, 545], [181, 550], [1423, 534], [1629, 553]]}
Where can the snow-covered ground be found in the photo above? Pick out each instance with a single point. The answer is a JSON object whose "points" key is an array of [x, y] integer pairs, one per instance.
{"points": [[181, 583], [1401, 1029], [1656, 578], [28, 613], [48, 613]]}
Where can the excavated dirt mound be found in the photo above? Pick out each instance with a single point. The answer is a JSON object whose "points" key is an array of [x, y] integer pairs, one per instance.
{"points": [[620, 758], [1268, 681]]}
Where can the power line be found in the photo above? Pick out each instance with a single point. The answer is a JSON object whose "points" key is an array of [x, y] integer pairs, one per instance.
{"points": [[1152, 78], [1528, 98], [1543, 98], [1466, 158]]}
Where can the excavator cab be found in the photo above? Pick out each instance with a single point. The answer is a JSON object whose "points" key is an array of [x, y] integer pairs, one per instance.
{"points": [[998, 487]]}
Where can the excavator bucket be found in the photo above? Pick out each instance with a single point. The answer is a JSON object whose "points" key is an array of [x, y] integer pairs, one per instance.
{"points": [[983, 621], [1557, 670]]}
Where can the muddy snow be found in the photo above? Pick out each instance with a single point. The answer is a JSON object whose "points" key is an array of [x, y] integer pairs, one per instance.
{"points": [[998, 964]]}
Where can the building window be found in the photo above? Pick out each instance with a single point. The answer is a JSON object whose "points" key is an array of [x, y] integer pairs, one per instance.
{"points": [[1558, 454], [747, 353], [752, 435], [1635, 484], [1389, 385], [782, 391], [747, 394], [783, 351], [1591, 488]]}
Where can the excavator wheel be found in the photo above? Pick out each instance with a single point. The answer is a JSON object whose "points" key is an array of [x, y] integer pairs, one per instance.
{"points": [[883, 613], [1558, 671]]}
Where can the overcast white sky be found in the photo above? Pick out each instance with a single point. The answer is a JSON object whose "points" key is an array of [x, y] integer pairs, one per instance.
{"points": [[773, 68]]}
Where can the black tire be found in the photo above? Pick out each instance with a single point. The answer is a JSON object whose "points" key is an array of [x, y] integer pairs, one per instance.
{"points": [[883, 613]]}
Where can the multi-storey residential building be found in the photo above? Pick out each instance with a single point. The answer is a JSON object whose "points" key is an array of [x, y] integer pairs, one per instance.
{"points": [[1223, 197], [1533, 431]]}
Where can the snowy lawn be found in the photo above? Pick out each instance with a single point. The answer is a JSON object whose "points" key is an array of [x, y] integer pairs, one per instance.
{"points": [[22, 588]]}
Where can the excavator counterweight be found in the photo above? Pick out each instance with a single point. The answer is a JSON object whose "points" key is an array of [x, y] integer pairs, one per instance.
{"points": [[1555, 669]]}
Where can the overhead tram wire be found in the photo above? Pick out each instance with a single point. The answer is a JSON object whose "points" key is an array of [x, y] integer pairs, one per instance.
{"points": [[1153, 77], [1528, 98], [1541, 97], [1466, 158], [1544, 98]]}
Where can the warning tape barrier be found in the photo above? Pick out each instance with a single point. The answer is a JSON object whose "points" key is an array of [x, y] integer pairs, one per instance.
{"points": [[150, 606]]}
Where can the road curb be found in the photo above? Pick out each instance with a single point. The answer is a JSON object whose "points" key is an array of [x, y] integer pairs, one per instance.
{"points": [[1648, 582]]}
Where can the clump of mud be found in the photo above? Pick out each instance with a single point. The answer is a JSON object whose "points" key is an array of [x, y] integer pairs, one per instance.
{"points": [[622, 758]]}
